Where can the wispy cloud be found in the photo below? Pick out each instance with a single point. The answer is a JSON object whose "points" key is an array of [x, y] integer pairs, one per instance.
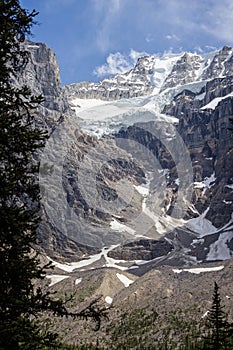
{"points": [[118, 63], [55, 5], [85, 32], [198, 49], [149, 21], [149, 38], [134, 55], [172, 37], [191, 19], [220, 23], [210, 48], [106, 13]]}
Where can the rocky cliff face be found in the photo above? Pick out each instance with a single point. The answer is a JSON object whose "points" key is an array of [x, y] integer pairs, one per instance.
{"points": [[184, 71], [132, 84], [205, 128], [42, 75], [101, 196], [221, 65], [190, 96]]}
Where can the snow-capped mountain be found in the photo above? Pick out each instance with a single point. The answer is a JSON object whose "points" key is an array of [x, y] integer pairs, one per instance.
{"points": [[108, 105], [153, 74], [142, 166], [137, 193]]}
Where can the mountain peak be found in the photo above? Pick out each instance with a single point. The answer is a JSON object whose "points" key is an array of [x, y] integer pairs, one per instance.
{"points": [[153, 73]]}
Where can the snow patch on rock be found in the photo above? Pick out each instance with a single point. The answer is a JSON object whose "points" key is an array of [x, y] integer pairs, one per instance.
{"points": [[198, 270], [56, 279], [125, 280]]}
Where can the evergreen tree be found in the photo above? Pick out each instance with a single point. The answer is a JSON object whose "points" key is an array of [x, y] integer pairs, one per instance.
{"points": [[20, 301], [219, 335]]}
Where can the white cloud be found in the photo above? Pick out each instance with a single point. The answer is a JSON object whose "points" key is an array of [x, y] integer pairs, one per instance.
{"points": [[211, 48], [117, 63], [198, 49], [100, 5], [172, 37], [208, 17], [166, 23], [149, 38], [221, 19], [134, 55], [106, 14]]}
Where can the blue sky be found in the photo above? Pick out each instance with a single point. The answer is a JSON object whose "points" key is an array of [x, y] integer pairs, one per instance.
{"points": [[96, 38]]}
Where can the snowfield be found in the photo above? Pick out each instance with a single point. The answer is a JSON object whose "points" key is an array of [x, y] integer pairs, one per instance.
{"points": [[108, 262], [201, 225], [219, 250], [198, 270]]}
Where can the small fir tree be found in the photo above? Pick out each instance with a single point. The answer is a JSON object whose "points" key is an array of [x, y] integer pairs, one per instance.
{"points": [[219, 331]]}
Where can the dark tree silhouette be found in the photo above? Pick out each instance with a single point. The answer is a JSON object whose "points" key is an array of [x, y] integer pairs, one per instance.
{"points": [[219, 330], [20, 300]]}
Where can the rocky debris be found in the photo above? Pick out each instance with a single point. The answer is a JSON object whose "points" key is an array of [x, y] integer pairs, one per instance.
{"points": [[161, 298], [142, 249]]}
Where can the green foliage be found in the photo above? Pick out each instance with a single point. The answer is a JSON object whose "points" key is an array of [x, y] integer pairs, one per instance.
{"points": [[178, 329], [146, 329]]}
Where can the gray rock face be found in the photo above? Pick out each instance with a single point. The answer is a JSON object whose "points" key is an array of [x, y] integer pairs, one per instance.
{"points": [[210, 142], [203, 127], [142, 250], [126, 85], [218, 87], [142, 79], [58, 246], [93, 214], [42, 75], [220, 65], [184, 71]]}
